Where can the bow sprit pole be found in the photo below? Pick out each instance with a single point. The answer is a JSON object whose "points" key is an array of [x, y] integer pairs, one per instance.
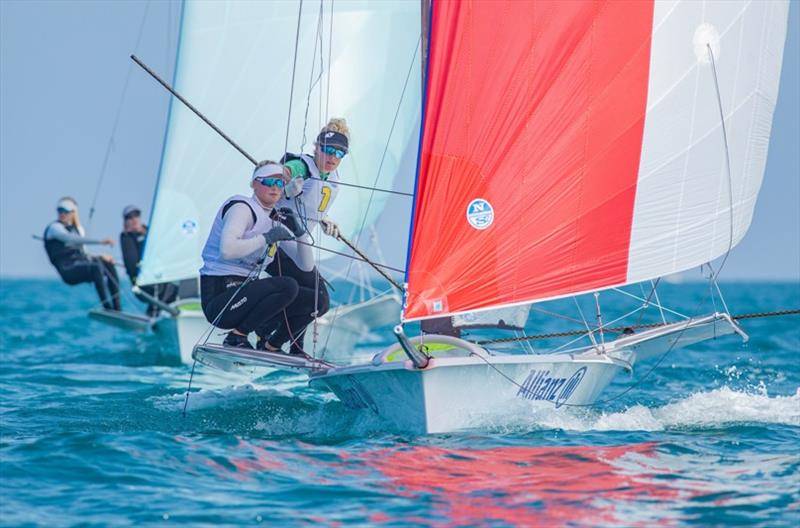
{"points": [[207, 121], [368, 261], [163, 83]]}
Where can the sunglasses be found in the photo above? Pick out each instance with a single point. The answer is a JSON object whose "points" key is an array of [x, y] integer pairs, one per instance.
{"points": [[271, 182], [331, 151], [61, 210]]}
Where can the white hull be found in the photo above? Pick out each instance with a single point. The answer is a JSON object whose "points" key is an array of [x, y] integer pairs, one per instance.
{"points": [[453, 394], [467, 384], [125, 320], [187, 328]]}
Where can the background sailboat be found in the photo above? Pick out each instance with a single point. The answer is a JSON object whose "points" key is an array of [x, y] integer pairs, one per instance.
{"points": [[599, 144], [237, 62]]}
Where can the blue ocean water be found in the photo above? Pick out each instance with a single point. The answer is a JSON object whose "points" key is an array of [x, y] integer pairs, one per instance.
{"points": [[92, 434]]}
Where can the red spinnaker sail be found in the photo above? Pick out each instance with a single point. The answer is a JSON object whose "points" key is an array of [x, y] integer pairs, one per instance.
{"points": [[532, 135]]}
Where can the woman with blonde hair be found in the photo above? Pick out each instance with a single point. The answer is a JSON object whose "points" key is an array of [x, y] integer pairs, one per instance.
{"points": [[64, 240], [312, 182], [311, 188]]}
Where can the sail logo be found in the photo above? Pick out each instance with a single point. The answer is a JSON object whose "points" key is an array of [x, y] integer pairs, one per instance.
{"points": [[480, 214], [540, 385], [188, 227]]}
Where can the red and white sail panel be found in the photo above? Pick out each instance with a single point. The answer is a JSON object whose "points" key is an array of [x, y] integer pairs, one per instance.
{"points": [[574, 146]]}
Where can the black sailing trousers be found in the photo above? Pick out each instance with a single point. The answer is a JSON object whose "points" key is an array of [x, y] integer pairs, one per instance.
{"points": [[98, 271], [308, 282], [263, 306]]}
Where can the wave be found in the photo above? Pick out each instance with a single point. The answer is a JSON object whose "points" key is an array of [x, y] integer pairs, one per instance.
{"points": [[717, 408]]}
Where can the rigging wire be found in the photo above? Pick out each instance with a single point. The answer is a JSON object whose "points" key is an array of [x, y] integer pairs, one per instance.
{"points": [[374, 188], [365, 187], [110, 145], [312, 81], [623, 329], [315, 328]]}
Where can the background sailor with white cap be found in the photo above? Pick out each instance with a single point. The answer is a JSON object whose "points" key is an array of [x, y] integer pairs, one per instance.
{"points": [[64, 240], [131, 243]]}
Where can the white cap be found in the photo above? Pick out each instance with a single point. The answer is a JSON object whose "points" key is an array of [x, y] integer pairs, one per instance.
{"points": [[130, 209], [270, 169], [66, 203]]}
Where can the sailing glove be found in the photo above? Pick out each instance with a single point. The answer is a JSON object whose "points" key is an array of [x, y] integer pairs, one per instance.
{"points": [[276, 234], [294, 188], [330, 227], [289, 218]]}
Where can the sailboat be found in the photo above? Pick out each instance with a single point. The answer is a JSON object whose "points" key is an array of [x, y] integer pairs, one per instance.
{"points": [[237, 62], [569, 148]]}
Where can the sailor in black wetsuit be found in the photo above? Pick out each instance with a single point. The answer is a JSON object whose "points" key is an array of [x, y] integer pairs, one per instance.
{"points": [[64, 240], [131, 243], [244, 237]]}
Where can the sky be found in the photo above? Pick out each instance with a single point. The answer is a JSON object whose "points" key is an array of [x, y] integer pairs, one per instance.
{"points": [[65, 65]]}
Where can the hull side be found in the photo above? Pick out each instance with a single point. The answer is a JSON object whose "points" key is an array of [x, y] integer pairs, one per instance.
{"points": [[453, 395]]}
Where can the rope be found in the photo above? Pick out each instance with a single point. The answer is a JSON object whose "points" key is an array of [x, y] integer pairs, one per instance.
{"points": [[367, 260], [312, 81], [294, 72], [189, 388], [110, 145], [622, 329], [629, 366], [378, 189], [727, 161]]}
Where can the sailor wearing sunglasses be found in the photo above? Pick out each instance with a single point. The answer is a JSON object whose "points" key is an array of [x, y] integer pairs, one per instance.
{"points": [[64, 240], [244, 237], [312, 186]]}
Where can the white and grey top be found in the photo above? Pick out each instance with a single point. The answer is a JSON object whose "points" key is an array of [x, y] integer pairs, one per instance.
{"points": [[318, 194], [58, 231], [235, 245]]}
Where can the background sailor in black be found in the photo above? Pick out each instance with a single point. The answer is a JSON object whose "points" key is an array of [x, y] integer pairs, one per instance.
{"points": [[64, 240], [245, 232], [131, 243]]}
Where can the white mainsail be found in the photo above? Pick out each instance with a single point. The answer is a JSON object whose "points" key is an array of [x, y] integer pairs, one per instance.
{"points": [[235, 64]]}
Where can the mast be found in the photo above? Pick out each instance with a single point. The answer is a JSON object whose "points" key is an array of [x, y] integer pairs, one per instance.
{"points": [[425, 26]]}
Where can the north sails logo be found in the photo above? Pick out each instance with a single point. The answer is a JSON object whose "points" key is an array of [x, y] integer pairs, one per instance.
{"points": [[480, 214], [239, 303]]}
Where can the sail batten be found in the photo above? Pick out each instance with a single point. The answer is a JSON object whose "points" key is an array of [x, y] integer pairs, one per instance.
{"points": [[588, 154]]}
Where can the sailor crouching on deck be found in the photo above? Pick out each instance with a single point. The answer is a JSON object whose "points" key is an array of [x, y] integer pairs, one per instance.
{"points": [[244, 238], [64, 240]]}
